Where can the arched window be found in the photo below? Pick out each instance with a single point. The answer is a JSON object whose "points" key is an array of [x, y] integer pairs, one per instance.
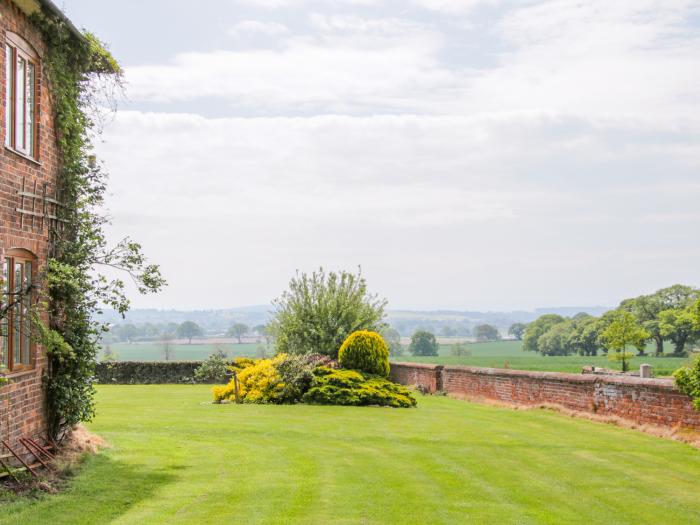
{"points": [[16, 346], [21, 89]]}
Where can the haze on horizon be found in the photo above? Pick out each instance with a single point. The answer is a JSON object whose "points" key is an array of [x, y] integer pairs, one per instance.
{"points": [[468, 154]]}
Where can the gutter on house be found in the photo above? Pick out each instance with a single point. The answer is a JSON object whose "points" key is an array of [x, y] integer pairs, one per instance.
{"points": [[32, 6]]}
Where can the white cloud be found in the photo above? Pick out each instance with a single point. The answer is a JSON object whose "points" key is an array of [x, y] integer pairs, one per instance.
{"points": [[482, 199], [245, 27], [568, 152], [452, 7]]}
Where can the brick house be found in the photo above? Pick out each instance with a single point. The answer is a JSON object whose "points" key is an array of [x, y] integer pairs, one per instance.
{"points": [[28, 177]]}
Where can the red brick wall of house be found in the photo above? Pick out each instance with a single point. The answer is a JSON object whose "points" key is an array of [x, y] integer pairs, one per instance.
{"points": [[642, 401], [22, 410]]}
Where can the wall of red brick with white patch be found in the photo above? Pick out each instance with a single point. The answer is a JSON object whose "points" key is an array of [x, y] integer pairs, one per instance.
{"points": [[642, 401]]}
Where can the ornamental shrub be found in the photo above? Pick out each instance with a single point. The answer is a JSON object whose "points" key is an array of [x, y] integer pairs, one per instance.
{"points": [[688, 381], [365, 351], [349, 387], [213, 369], [258, 383], [296, 372]]}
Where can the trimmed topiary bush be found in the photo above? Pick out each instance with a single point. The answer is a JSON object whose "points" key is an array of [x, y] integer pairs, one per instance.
{"points": [[349, 387], [365, 351]]}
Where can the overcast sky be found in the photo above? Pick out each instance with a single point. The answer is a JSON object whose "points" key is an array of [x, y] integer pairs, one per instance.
{"points": [[471, 154]]}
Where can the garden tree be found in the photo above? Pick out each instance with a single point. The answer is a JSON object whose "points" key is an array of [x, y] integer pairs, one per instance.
{"points": [[556, 340], [486, 332], [237, 330], [393, 340], [679, 325], [83, 77], [320, 310], [423, 343], [537, 328], [624, 331], [517, 330], [188, 330], [583, 339], [646, 308]]}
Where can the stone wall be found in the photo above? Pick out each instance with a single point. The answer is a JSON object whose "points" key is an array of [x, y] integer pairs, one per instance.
{"points": [[642, 401]]}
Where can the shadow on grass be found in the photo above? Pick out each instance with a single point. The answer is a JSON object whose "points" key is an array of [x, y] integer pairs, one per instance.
{"points": [[102, 491]]}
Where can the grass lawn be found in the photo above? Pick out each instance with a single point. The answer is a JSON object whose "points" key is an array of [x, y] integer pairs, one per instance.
{"points": [[178, 459]]}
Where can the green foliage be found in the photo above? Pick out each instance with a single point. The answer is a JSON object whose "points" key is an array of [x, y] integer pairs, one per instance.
{"points": [[583, 339], [77, 72], [259, 383], [557, 339], [621, 333], [365, 351], [213, 369], [296, 372], [188, 330], [517, 330], [423, 343], [486, 332], [349, 387], [319, 311], [392, 337], [688, 381], [680, 326], [537, 328], [237, 330]]}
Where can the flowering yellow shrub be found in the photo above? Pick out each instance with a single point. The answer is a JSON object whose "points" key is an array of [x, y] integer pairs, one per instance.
{"points": [[259, 382]]}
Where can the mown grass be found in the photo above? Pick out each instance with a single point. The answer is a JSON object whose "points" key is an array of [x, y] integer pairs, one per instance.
{"points": [[177, 459]]}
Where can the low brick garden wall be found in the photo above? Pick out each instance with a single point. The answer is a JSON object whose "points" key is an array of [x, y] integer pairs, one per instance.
{"points": [[639, 400]]}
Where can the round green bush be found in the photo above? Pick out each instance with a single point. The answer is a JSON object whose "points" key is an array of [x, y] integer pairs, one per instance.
{"points": [[365, 351]]}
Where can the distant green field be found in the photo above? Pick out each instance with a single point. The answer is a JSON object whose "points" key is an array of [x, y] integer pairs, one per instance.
{"points": [[509, 354], [498, 354], [181, 352]]}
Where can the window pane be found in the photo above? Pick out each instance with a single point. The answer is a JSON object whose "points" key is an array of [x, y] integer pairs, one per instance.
{"points": [[8, 94], [30, 108], [4, 339], [20, 91], [17, 314], [27, 328]]}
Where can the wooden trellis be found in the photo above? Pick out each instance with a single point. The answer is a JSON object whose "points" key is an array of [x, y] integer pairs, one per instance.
{"points": [[40, 206]]}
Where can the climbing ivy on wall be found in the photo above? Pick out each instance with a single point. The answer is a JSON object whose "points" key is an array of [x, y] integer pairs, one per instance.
{"points": [[82, 77]]}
